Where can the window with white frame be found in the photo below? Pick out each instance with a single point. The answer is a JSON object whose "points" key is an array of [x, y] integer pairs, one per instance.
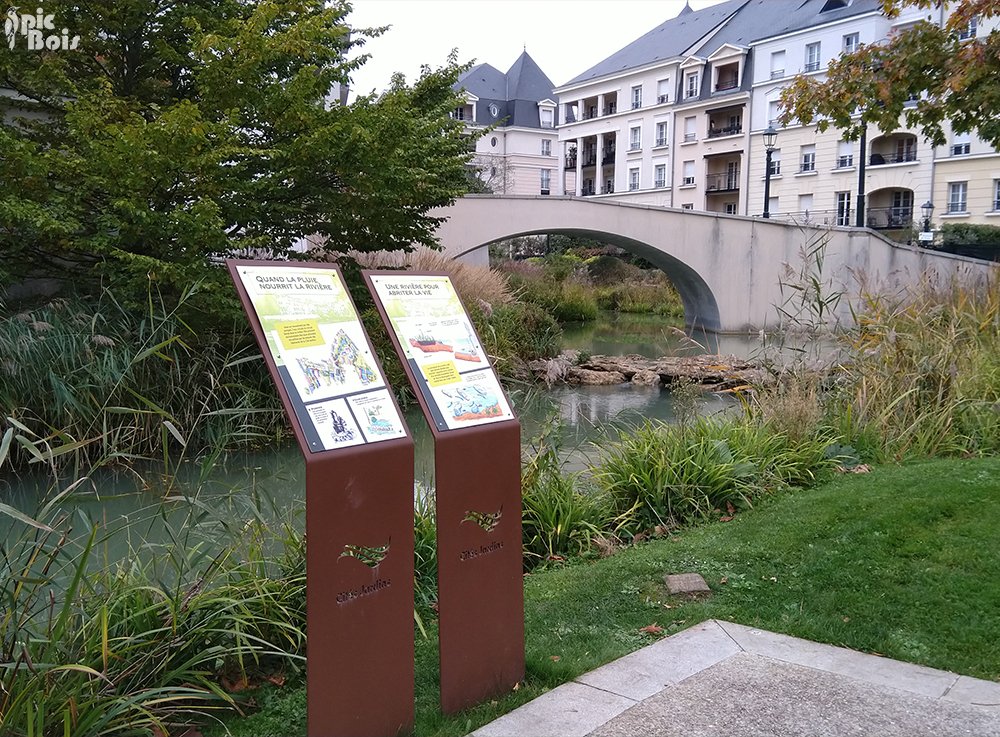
{"points": [[660, 175], [546, 116], [687, 206], [633, 178], [996, 195], [805, 205], [845, 154], [772, 205], [546, 147], [775, 162], [851, 42], [812, 57], [843, 208], [957, 196], [637, 97], [773, 113], [960, 143], [691, 84], [662, 91], [545, 177], [777, 64], [634, 138], [730, 208], [808, 159], [969, 31], [688, 173], [661, 133], [690, 125]]}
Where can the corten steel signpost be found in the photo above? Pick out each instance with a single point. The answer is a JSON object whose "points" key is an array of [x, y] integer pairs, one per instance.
{"points": [[477, 466], [359, 496]]}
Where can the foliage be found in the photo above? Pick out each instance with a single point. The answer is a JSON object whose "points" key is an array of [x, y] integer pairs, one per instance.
{"points": [[969, 234], [951, 78], [516, 333], [424, 550], [91, 381], [558, 521], [178, 132], [660, 476], [141, 645], [922, 375], [855, 563]]}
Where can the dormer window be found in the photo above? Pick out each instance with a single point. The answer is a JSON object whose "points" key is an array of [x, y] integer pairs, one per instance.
{"points": [[835, 5], [545, 116], [691, 80]]}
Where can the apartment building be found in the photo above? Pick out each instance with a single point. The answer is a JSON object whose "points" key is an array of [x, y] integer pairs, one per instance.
{"points": [[511, 117], [677, 117]]}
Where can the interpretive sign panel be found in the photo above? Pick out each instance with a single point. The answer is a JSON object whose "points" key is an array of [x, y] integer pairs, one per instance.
{"points": [[477, 469], [436, 336], [318, 345], [359, 496]]}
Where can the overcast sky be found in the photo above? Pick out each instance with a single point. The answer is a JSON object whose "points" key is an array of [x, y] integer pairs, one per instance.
{"points": [[565, 37]]}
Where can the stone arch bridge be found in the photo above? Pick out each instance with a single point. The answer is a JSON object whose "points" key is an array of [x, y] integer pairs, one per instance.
{"points": [[728, 269]]}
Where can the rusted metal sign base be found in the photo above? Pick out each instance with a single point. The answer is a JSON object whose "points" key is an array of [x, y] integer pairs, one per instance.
{"points": [[480, 582], [360, 612]]}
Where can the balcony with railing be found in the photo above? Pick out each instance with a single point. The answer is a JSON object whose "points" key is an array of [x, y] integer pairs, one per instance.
{"points": [[609, 155], [897, 148], [724, 182], [725, 122], [889, 218], [589, 158]]}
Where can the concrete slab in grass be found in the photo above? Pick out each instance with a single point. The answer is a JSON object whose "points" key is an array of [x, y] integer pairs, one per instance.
{"points": [[862, 666], [571, 710], [648, 671]]}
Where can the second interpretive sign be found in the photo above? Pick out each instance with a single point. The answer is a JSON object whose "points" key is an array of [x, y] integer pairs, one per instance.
{"points": [[436, 336]]}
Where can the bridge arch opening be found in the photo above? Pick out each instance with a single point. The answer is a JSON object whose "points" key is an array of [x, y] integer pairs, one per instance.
{"points": [[701, 310]]}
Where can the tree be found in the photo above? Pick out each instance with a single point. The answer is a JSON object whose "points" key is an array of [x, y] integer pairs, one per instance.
{"points": [[178, 131], [951, 77]]}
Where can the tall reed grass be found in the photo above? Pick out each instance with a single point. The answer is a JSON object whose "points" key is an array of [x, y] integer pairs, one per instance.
{"points": [[87, 381], [922, 375]]}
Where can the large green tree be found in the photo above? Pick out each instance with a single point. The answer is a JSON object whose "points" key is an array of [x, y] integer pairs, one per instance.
{"points": [[951, 77], [178, 131]]}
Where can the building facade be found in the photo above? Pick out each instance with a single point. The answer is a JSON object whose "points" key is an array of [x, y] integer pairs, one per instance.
{"points": [[677, 117], [511, 118]]}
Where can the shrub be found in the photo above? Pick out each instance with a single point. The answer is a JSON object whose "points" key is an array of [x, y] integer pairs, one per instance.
{"points": [[516, 333], [558, 521], [659, 475]]}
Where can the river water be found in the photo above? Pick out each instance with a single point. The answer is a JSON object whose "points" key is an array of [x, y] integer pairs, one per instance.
{"points": [[272, 482]]}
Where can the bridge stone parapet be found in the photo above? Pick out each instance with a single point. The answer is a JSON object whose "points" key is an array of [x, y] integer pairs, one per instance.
{"points": [[731, 271]]}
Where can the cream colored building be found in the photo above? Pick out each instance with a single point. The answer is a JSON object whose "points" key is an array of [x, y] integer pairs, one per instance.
{"points": [[511, 116], [676, 119]]}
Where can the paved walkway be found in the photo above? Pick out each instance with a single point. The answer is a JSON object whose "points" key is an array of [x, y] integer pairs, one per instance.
{"points": [[721, 679]]}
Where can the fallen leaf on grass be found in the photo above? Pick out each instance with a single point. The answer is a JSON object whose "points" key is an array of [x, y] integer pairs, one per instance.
{"points": [[276, 679], [652, 629], [240, 684], [724, 580]]}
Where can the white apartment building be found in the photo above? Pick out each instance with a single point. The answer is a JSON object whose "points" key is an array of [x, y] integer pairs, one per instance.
{"points": [[676, 119], [518, 155]]}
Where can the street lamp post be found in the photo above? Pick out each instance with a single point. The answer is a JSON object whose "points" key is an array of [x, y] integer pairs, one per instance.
{"points": [[769, 137], [926, 236]]}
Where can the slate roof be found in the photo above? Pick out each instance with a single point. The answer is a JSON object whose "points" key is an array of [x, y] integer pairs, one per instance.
{"points": [[516, 93], [750, 21], [669, 40]]}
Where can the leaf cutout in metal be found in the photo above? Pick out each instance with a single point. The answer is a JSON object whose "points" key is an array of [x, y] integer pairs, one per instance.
{"points": [[371, 557], [487, 520]]}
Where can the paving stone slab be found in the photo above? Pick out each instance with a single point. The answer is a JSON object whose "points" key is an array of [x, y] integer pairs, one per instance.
{"points": [[751, 695], [646, 672], [571, 710], [871, 668], [984, 694]]}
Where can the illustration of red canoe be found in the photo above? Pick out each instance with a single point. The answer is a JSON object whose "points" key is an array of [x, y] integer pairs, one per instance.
{"points": [[430, 346]]}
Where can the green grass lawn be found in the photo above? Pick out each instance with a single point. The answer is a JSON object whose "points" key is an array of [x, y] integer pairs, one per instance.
{"points": [[902, 562]]}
